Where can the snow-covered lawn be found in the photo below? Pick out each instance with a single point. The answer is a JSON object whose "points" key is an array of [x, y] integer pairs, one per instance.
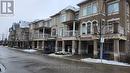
{"points": [[104, 61], [29, 50], [55, 55]]}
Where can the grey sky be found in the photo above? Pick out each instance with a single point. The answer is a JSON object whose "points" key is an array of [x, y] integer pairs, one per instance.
{"points": [[29, 10]]}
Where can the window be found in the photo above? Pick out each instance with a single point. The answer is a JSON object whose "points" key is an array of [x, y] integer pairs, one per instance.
{"points": [[88, 28], [54, 32], [60, 31], [127, 9], [109, 28], [63, 17], [114, 7], [95, 27], [94, 8], [84, 28], [90, 9], [84, 11]]}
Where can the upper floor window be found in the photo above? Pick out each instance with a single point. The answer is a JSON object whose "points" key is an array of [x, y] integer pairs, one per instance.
{"points": [[113, 7], [90, 9], [84, 28], [95, 27], [84, 11], [88, 28], [63, 17], [54, 32], [94, 7], [127, 9]]}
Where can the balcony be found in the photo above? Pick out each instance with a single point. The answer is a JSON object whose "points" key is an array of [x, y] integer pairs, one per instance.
{"points": [[110, 29], [41, 36], [70, 33]]}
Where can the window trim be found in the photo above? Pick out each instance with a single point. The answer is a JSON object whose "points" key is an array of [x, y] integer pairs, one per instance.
{"points": [[113, 12], [91, 12]]}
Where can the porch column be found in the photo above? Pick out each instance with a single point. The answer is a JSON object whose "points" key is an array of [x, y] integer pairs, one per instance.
{"points": [[33, 44], [42, 45], [38, 34], [79, 47], [43, 32], [95, 49], [73, 47], [37, 44], [74, 28], [63, 45], [23, 44], [116, 50], [56, 46]]}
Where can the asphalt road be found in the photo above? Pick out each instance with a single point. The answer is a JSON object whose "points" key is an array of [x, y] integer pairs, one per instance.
{"points": [[19, 62]]}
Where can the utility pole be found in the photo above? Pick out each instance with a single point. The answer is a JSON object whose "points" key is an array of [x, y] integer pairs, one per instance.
{"points": [[2, 39], [101, 40], [101, 28]]}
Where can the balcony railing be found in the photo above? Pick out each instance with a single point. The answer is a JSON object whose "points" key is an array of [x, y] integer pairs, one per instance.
{"points": [[109, 29], [70, 33], [41, 36]]}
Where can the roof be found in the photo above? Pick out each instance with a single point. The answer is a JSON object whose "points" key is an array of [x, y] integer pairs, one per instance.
{"points": [[36, 21], [55, 14], [71, 8], [67, 8], [82, 2], [24, 24]]}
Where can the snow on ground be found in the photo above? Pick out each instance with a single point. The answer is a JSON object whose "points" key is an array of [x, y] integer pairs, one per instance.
{"points": [[54, 55], [104, 61], [29, 50]]}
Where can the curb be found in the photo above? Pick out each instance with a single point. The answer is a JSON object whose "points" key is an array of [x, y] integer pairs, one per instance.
{"points": [[65, 58], [20, 50], [46, 55]]}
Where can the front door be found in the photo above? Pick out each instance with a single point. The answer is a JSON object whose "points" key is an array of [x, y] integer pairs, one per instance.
{"points": [[90, 51]]}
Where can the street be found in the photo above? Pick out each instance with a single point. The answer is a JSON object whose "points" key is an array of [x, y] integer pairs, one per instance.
{"points": [[19, 62]]}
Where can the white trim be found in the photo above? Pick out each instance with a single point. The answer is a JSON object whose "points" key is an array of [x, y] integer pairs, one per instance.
{"points": [[82, 17], [113, 2], [113, 19], [91, 26], [81, 31], [94, 21]]}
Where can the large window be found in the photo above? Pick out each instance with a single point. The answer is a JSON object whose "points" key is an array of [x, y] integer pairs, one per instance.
{"points": [[84, 11], [84, 28], [94, 8], [95, 27], [63, 17], [127, 9], [90, 9], [88, 28], [113, 7], [54, 32]]}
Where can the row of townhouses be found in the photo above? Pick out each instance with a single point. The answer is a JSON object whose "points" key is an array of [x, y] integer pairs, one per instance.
{"points": [[19, 35], [78, 30]]}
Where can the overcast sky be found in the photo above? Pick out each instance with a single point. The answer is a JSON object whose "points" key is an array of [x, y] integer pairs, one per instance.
{"points": [[29, 10]]}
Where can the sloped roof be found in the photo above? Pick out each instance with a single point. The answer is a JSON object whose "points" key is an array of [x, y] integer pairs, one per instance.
{"points": [[71, 8], [82, 2], [67, 8], [24, 24]]}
